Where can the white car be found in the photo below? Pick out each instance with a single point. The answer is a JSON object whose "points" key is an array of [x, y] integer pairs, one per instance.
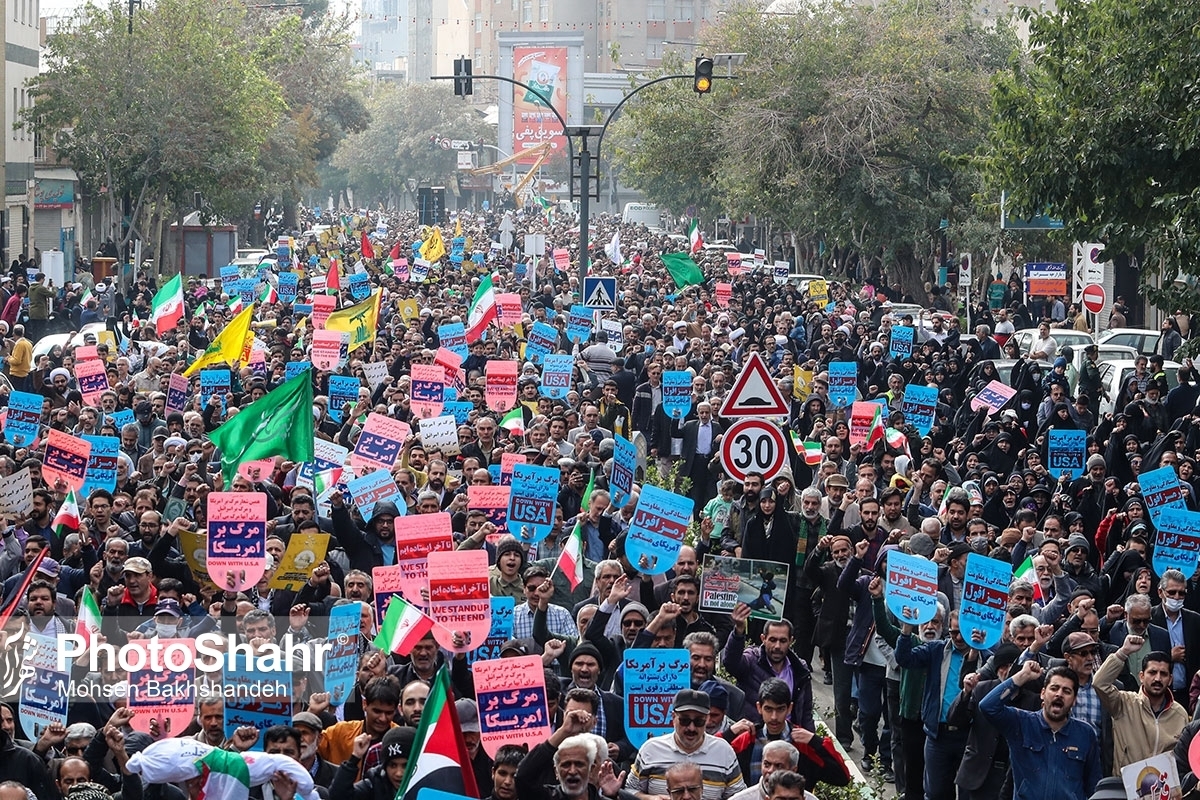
{"points": [[1105, 353], [1140, 339], [46, 343], [1114, 373], [1065, 337]]}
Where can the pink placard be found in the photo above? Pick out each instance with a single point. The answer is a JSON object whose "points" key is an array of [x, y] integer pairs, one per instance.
{"points": [[511, 693], [326, 349], [87, 352], [257, 471], [379, 444], [92, 379], [507, 461], [451, 362], [459, 599], [862, 414], [724, 292], [177, 392], [501, 387], [427, 390], [323, 305], [237, 539], [508, 309], [387, 581], [66, 459], [491, 500], [163, 694], [416, 538]]}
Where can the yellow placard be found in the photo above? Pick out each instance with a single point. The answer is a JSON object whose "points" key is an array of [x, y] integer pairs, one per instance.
{"points": [[304, 551], [409, 309], [106, 337], [801, 382], [195, 551], [818, 291]]}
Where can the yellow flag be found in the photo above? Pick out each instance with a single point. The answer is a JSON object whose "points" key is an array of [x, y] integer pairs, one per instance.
{"points": [[458, 227], [433, 248], [359, 320], [227, 347]]}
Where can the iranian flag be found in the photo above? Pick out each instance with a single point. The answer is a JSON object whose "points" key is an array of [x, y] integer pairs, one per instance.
{"points": [[876, 433], [67, 519], [403, 626], [483, 309], [168, 305], [326, 479], [333, 283], [1026, 572], [514, 421], [87, 624], [695, 238], [268, 295], [896, 440], [439, 753], [810, 450], [570, 561]]}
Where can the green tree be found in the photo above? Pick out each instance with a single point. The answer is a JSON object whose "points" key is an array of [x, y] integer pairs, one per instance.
{"points": [[396, 146], [172, 108], [1101, 126]]}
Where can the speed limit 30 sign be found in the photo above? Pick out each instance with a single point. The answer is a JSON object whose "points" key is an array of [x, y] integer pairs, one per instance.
{"points": [[753, 445]]}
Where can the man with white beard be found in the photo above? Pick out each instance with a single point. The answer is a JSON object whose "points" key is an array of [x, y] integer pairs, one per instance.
{"points": [[310, 728], [822, 569]]}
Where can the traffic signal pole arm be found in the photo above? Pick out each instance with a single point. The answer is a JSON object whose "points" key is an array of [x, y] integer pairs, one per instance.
{"points": [[627, 98]]}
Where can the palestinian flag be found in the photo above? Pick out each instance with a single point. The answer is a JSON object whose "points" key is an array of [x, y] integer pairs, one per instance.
{"points": [[1026, 572], [439, 753], [514, 421], [333, 284], [225, 774], [87, 624], [695, 238], [547, 206], [389, 266], [403, 626], [67, 519], [483, 309], [168, 305]]}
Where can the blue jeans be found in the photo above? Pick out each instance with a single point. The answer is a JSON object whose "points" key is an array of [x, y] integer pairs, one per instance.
{"points": [[942, 757], [872, 689]]}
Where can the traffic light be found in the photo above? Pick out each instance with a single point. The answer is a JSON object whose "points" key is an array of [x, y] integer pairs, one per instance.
{"points": [[462, 77], [703, 78]]}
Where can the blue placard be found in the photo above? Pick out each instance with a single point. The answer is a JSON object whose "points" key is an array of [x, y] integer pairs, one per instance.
{"points": [[341, 663], [501, 631], [24, 417], [984, 600], [677, 393], [247, 290], [579, 324], [374, 488], [256, 698], [520, 270], [1161, 489], [122, 418], [1177, 544], [919, 407], [557, 370], [620, 483], [1066, 452], [457, 244], [843, 383], [532, 501], [360, 285], [342, 389], [293, 368], [301, 309], [460, 409], [453, 337], [289, 285], [911, 589], [651, 678], [494, 472], [657, 530], [230, 275], [902, 341], [214, 381], [540, 342], [102, 464]]}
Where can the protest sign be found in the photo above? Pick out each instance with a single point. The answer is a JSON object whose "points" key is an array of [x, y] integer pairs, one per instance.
{"points": [[507, 462], [902, 341], [919, 406], [375, 372], [657, 530], [984, 600], [1177, 542], [579, 324], [677, 393], [177, 392], [45, 691], [22, 423], [388, 582], [122, 417], [451, 364], [16, 493], [541, 341], [341, 662], [843, 383], [1153, 778], [511, 694], [293, 368], [1161, 489], [322, 306], [993, 397], [426, 391], [416, 537], [453, 337], [556, 375], [194, 545], [419, 271], [724, 292], [360, 285], [862, 419], [215, 383], [532, 502], [163, 701], [500, 632], [616, 334], [620, 483], [288, 285], [374, 488], [380, 442], [255, 698], [492, 501], [343, 396], [459, 599], [304, 551], [327, 349], [460, 409], [66, 459], [326, 455], [441, 434], [102, 464], [237, 539], [1066, 452], [92, 380], [911, 589], [651, 678], [562, 259], [229, 278], [500, 388], [818, 292], [508, 310], [762, 585]]}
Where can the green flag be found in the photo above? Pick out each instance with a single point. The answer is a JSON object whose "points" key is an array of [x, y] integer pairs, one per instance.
{"points": [[685, 271], [279, 424]]}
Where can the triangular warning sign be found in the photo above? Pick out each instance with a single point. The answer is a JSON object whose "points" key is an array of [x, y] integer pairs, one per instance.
{"points": [[754, 394], [600, 298]]}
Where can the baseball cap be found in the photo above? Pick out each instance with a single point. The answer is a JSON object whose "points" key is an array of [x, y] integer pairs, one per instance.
{"points": [[167, 605], [513, 646], [48, 567], [137, 564], [398, 743], [1078, 641], [692, 700], [468, 715]]}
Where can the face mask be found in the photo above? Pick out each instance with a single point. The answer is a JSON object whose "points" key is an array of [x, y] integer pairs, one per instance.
{"points": [[1173, 604], [1025, 406], [165, 631], [649, 349]]}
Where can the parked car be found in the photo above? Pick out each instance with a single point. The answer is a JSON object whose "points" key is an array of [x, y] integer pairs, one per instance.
{"points": [[46, 343], [1115, 373], [1064, 336], [1140, 339], [1105, 352]]}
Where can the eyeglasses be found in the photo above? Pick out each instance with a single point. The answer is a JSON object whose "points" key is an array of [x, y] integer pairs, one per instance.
{"points": [[692, 722], [1174, 592], [633, 623], [685, 790], [1086, 652]]}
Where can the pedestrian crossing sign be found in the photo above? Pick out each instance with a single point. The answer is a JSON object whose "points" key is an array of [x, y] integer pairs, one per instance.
{"points": [[600, 294]]}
